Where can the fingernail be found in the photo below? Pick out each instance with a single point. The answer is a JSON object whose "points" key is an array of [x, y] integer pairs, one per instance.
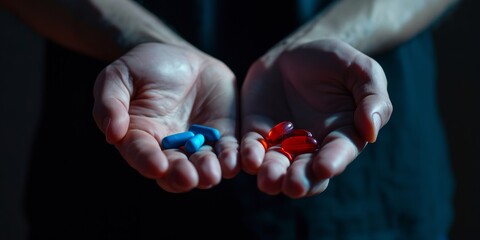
{"points": [[377, 121], [319, 187]]}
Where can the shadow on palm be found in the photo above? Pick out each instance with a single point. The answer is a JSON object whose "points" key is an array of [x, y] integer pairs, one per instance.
{"points": [[326, 87]]}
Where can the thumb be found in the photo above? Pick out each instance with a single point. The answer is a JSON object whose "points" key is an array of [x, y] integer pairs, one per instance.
{"points": [[369, 85], [372, 113], [111, 102]]}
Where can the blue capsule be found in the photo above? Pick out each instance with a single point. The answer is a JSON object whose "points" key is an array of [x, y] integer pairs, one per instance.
{"points": [[176, 140], [211, 134], [194, 143]]}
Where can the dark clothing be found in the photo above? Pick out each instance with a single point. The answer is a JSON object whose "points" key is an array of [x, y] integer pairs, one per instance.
{"points": [[400, 187]]}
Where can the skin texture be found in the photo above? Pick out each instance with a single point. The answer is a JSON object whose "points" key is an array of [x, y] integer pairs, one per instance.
{"points": [[320, 79], [326, 87], [157, 84], [156, 90]]}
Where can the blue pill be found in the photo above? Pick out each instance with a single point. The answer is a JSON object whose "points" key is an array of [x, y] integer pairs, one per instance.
{"points": [[194, 143], [176, 140], [211, 134]]}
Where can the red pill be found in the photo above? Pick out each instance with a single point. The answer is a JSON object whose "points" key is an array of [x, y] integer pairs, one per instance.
{"points": [[299, 144], [279, 132], [263, 142], [301, 132], [287, 154]]}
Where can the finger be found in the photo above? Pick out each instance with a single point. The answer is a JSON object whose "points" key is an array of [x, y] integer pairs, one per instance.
{"points": [[338, 149], [162, 182], [297, 182], [374, 107], [272, 171], [252, 152], [143, 153], [318, 187], [207, 167], [372, 113], [300, 181], [110, 109], [227, 150], [181, 176]]}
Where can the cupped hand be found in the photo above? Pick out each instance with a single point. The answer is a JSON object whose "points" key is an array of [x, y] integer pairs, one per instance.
{"points": [[156, 90], [326, 87]]}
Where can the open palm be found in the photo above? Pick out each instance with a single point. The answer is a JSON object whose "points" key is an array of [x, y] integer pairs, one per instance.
{"points": [[326, 87], [156, 90]]}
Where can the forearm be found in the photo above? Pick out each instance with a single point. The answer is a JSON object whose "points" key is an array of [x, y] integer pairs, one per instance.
{"points": [[371, 26], [103, 29]]}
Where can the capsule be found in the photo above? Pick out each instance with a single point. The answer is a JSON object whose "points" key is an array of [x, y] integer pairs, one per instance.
{"points": [[301, 132], [263, 142], [299, 144], [211, 134], [284, 152], [279, 132], [194, 143], [176, 140]]}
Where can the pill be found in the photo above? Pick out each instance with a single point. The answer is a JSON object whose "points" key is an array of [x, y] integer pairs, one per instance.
{"points": [[279, 132], [211, 134], [176, 140], [263, 142], [299, 144], [301, 132], [284, 152], [194, 143]]}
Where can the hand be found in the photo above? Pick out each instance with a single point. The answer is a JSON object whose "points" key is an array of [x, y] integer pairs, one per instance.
{"points": [[326, 87], [156, 90]]}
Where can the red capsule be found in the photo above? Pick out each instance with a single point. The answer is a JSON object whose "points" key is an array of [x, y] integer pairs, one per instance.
{"points": [[263, 142], [279, 132], [300, 144], [287, 154], [301, 132]]}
